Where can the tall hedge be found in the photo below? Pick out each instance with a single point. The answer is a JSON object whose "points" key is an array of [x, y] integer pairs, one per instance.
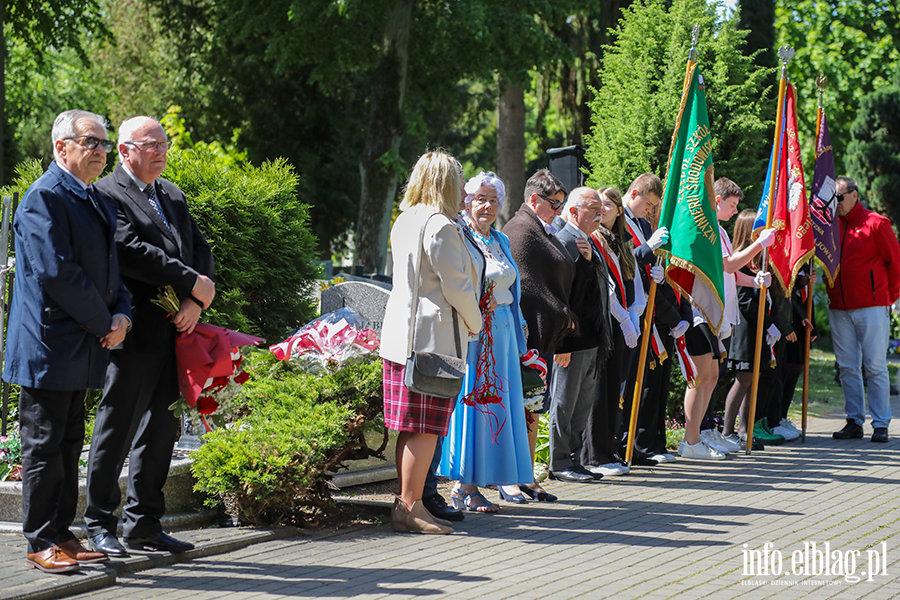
{"points": [[635, 108], [259, 232]]}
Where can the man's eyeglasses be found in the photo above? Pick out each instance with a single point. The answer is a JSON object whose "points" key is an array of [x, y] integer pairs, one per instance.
{"points": [[151, 145], [91, 142], [554, 204]]}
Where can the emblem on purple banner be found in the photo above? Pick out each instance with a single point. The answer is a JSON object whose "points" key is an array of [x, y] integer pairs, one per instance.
{"points": [[823, 206]]}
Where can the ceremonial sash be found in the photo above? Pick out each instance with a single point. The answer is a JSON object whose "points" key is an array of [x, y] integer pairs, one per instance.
{"points": [[613, 263], [659, 351], [688, 370]]}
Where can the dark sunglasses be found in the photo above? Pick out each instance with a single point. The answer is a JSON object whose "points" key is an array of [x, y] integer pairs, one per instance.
{"points": [[840, 197], [91, 142], [554, 204]]}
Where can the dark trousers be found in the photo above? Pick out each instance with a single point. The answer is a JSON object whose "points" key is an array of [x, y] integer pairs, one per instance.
{"points": [[52, 432], [431, 480], [600, 445], [650, 437], [134, 416], [626, 390]]}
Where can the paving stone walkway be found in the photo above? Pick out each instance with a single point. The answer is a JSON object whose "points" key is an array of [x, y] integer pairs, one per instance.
{"points": [[687, 530]]}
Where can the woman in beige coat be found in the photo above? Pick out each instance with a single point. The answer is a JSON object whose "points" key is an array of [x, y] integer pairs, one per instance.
{"points": [[446, 282]]}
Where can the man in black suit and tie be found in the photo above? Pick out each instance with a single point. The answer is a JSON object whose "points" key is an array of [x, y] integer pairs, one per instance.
{"points": [[159, 244], [574, 378]]}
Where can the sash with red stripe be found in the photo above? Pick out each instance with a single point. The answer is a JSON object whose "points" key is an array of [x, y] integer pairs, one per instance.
{"points": [[613, 266]]}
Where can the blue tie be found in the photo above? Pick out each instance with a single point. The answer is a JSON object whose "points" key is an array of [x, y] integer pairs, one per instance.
{"points": [[150, 190]]}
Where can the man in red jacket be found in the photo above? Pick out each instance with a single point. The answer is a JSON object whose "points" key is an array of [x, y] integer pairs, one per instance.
{"points": [[866, 285]]}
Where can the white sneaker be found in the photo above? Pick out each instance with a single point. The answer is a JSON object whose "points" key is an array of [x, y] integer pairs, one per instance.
{"points": [[736, 440], [728, 445], [708, 438], [700, 451], [786, 423], [789, 435], [663, 458], [609, 470]]}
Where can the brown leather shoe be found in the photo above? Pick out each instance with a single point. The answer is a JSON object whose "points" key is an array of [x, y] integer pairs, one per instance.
{"points": [[74, 549], [52, 560]]}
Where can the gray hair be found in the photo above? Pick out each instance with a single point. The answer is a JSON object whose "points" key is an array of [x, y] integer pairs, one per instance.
{"points": [[849, 184], [65, 125], [489, 179], [128, 127], [577, 198]]}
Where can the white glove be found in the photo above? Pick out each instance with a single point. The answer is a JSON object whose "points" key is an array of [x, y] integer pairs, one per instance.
{"points": [[763, 278], [635, 320], [679, 330], [630, 332], [657, 274], [772, 335], [659, 237], [766, 238]]}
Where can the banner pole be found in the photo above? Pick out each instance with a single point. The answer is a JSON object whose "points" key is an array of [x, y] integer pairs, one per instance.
{"points": [[785, 53], [651, 300], [821, 82]]}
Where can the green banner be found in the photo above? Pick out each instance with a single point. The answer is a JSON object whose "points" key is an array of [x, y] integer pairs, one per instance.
{"points": [[688, 208]]}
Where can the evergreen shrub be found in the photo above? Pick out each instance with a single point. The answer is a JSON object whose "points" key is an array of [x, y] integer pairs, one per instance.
{"points": [[259, 232], [273, 465]]}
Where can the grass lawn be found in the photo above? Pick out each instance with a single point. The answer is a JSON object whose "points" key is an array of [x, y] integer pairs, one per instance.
{"points": [[825, 396]]}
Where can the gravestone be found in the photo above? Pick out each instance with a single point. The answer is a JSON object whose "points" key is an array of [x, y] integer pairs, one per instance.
{"points": [[368, 299]]}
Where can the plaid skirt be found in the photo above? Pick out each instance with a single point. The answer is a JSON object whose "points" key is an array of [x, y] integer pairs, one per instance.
{"points": [[408, 411]]}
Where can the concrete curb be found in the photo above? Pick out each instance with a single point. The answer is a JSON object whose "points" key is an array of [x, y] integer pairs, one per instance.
{"points": [[97, 577]]}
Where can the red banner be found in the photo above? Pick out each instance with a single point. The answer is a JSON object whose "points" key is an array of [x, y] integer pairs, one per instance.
{"points": [[794, 242]]}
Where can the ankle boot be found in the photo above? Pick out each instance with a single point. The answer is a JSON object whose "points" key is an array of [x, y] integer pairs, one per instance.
{"points": [[419, 520], [399, 514]]}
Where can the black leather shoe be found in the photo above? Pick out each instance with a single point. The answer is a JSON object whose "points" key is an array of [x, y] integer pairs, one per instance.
{"points": [[880, 434], [437, 506], [583, 470], [572, 476], [158, 541], [851, 431], [107, 543]]}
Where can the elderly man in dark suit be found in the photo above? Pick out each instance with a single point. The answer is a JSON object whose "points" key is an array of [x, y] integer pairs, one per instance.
{"points": [[69, 308], [575, 374], [159, 244]]}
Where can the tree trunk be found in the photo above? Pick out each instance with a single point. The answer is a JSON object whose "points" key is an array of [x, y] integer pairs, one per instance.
{"points": [[385, 132], [511, 147]]}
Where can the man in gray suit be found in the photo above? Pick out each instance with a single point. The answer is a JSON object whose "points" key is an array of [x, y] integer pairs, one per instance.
{"points": [[574, 380]]}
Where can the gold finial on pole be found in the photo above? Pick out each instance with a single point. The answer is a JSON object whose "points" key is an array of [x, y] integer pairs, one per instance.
{"points": [[695, 36]]}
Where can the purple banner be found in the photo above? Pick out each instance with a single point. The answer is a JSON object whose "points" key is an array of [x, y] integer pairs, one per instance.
{"points": [[823, 206]]}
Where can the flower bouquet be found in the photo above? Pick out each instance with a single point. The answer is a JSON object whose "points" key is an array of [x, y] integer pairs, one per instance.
{"points": [[327, 342], [209, 366]]}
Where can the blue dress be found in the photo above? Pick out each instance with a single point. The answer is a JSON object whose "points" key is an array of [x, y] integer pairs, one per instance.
{"points": [[489, 444]]}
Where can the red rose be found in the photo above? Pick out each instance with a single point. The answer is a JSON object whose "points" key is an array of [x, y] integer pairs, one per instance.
{"points": [[206, 405]]}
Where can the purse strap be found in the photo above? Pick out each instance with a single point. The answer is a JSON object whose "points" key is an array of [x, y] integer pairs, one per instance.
{"points": [[415, 299]]}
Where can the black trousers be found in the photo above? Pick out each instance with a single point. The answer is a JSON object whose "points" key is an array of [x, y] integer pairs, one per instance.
{"points": [[650, 437], [134, 416], [52, 432], [599, 439]]}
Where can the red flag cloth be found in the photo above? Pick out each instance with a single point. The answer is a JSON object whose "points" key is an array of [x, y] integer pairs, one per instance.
{"points": [[205, 354], [794, 242]]}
